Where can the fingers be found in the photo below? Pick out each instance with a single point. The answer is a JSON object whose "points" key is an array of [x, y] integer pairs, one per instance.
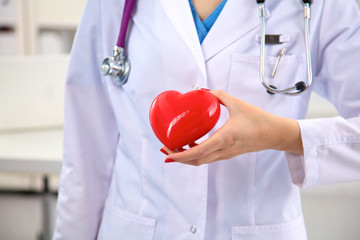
{"points": [[224, 97], [193, 144], [168, 151], [214, 157], [200, 151], [215, 148], [164, 151]]}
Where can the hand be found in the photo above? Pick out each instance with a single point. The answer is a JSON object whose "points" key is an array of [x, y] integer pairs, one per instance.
{"points": [[248, 129]]}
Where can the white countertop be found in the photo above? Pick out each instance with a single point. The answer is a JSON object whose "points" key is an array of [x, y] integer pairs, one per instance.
{"points": [[31, 151]]}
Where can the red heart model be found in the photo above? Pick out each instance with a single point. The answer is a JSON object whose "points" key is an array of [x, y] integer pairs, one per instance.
{"points": [[180, 119]]}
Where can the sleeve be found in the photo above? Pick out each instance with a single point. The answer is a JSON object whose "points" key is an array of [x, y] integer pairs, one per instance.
{"points": [[332, 145], [90, 135]]}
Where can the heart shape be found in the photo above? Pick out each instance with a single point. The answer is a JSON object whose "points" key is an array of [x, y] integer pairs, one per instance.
{"points": [[180, 119]]}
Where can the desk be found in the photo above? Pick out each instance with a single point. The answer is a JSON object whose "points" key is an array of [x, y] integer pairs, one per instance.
{"points": [[33, 152]]}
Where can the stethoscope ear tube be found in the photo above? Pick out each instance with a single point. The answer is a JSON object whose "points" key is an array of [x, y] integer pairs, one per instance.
{"points": [[299, 87]]}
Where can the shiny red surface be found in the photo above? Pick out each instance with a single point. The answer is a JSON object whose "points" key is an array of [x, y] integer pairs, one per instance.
{"points": [[179, 119]]}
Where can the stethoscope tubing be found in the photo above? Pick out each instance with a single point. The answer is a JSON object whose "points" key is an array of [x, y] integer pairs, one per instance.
{"points": [[307, 43], [128, 8], [300, 86], [118, 66]]}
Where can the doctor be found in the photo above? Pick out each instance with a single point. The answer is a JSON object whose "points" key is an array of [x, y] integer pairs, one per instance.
{"points": [[114, 182]]}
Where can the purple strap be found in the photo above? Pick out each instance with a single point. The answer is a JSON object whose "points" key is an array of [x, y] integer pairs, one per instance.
{"points": [[128, 8]]}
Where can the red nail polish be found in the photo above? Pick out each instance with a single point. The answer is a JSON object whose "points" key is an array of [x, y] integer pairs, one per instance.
{"points": [[205, 89], [193, 144], [180, 149], [163, 151], [169, 160]]}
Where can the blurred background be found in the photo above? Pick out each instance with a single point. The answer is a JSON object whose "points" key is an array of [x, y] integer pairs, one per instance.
{"points": [[35, 42]]}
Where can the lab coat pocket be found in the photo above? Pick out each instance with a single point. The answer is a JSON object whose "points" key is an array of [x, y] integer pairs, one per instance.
{"points": [[294, 230], [118, 224], [244, 79]]}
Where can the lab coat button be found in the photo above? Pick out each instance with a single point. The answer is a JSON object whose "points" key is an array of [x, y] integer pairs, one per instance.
{"points": [[193, 229], [195, 86]]}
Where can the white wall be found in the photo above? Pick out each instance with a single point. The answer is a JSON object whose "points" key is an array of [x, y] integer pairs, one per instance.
{"points": [[332, 212]]}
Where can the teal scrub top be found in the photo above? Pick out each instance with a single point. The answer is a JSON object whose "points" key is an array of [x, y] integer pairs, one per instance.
{"points": [[203, 27]]}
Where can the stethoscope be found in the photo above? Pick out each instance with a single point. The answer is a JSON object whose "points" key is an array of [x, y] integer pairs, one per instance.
{"points": [[299, 86], [118, 66]]}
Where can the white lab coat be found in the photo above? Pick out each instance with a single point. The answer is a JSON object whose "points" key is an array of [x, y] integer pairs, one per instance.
{"points": [[114, 183]]}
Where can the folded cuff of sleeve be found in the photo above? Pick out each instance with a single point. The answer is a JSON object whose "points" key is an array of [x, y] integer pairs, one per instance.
{"points": [[304, 169]]}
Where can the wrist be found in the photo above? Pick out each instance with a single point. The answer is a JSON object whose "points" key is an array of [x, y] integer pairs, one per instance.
{"points": [[288, 136]]}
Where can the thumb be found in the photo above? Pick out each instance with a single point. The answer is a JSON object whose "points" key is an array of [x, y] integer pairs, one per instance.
{"points": [[224, 98]]}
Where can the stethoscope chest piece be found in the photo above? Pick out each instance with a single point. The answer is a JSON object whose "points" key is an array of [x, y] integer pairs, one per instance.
{"points": [[117, 66]]}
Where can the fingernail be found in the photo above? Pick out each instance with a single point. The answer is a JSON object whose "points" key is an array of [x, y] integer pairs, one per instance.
{"points": [[205, 89], [193, 144], [169, 160], [180, 149], [163, 151]]}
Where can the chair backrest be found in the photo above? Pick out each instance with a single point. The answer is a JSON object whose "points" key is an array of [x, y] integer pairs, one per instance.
{"points": [[32, 92]]}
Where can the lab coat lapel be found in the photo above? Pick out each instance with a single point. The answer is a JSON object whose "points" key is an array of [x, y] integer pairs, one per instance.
{"points": [[179, 13], [237, 18]]}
